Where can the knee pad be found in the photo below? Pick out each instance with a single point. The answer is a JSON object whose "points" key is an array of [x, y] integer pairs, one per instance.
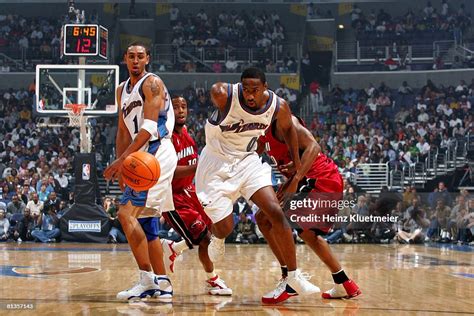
{"points": [[150, 227]]}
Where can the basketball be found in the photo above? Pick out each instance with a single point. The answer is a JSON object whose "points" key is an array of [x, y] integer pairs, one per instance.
{"points": [[140, 171]]}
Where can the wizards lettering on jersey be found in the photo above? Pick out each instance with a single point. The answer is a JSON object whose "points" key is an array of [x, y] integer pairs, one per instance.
{"points": [[240, 127], [130, 107], [188, 151]]}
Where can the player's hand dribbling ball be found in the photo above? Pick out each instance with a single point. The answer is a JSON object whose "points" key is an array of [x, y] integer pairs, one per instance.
{"points": [[140, 171]]}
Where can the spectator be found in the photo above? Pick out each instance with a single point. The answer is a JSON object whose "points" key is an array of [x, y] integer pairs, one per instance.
{"points": [[35, 206], [43, 194], [25, 227], [441, 192], [245, 230], [63, 208], [63, 182], [414, 229], [423, 148], [390, 63], [423, 116], [4, 226], [16, 206], [231, 65], [53, 201], [316, 96], [405, 89], [439, 222], [47, 230], [217, 66]]}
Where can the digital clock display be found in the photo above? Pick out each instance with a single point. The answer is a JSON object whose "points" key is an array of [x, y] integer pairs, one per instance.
{"points": [[81, 39]]}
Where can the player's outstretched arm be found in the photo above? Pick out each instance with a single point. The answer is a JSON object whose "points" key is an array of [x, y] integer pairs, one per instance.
{"points": [[219, 95]]}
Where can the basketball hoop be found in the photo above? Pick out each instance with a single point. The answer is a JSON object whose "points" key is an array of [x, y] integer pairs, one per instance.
{"points": [[76, 114], [77, 119]]}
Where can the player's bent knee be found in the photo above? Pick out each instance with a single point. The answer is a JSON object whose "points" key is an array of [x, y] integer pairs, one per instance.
{"points": [[223, 228], [150, 227]]}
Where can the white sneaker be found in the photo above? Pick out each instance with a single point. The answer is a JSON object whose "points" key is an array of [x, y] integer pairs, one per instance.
{"points": [[145, 287], [216, 249], [169, 255], [299, 282], [281, 293], [217, 286], [166, 289]]}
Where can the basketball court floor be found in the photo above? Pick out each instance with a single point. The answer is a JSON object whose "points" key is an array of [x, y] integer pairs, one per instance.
{"points": [[83, 279]]}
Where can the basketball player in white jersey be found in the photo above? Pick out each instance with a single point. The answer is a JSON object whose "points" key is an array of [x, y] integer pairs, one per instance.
{"points": [[146, 120], [229, 166]]}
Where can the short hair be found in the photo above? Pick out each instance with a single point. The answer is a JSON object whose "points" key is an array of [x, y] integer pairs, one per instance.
{"points": [[138, 43], [253, 73], [175, 96]]}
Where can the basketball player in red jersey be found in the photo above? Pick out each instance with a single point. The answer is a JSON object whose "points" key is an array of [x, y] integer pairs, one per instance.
{"points": [[189, 219], [317, 173]]}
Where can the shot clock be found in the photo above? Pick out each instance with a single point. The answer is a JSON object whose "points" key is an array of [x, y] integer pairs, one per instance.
{"points": [[85, 40]]}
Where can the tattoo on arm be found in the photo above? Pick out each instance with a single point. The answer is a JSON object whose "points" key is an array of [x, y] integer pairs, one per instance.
{"points": [[155, 88]]}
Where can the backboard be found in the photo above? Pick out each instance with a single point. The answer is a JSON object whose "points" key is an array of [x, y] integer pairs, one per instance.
{"points": [[92, 85]]}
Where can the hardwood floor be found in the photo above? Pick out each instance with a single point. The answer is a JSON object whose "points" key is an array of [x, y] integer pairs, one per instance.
{"points": [[83, 279]]}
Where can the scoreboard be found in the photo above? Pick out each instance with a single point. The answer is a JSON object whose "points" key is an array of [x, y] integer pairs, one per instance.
{"points": [[84, 40]]}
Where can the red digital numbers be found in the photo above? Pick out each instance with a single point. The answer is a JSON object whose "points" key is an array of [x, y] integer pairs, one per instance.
{"points": [[83, 45]]}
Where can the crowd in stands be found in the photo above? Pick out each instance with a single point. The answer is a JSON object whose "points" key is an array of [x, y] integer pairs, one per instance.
{"points": [[381, 124], [213, 34], [430, 23], [236, 29]]}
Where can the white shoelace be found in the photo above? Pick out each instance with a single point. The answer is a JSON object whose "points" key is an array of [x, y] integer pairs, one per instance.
{"points": [[306, 275]]}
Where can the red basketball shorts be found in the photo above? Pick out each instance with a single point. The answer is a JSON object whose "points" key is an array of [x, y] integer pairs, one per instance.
{"points": [[189, 218]]}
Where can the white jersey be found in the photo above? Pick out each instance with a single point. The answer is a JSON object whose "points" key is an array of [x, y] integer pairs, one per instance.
{"points": [[158, 198], [132, 110], [234, 132]]}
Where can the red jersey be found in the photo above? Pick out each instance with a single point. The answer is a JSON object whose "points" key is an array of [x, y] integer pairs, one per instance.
{"points": [[187, 152], [322, 166]]}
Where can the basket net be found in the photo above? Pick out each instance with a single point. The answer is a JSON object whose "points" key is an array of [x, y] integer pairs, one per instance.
{"points": [[75, 113]]}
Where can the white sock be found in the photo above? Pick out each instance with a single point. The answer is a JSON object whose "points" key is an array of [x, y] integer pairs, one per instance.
{"points": [[211, 275], [292, 274], [180, 246]]}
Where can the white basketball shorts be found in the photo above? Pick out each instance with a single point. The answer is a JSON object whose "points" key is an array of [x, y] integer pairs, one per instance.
{"points": [[219, 182], [158, 198]]}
